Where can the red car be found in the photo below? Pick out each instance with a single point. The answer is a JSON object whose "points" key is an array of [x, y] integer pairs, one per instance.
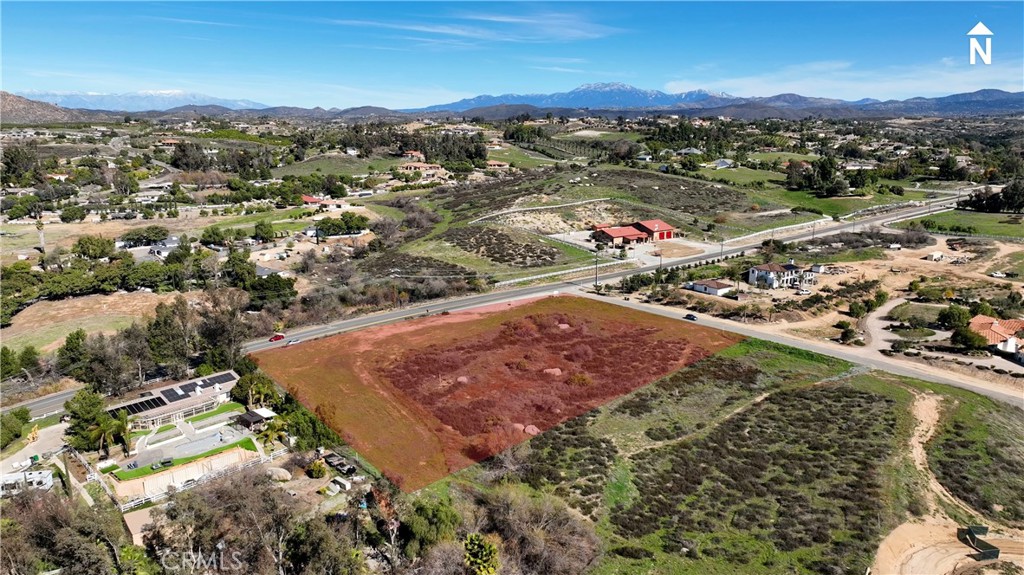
{"points": [[277, 337]]}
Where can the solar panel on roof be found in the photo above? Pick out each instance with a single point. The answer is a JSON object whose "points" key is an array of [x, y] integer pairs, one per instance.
{"points": [[139, 406], [188, 388], [172, 395], [222, 378]]}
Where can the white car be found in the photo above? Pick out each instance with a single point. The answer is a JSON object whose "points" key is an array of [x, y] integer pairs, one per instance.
{"points": [[294, 341], [804, 292], [997, 274]]}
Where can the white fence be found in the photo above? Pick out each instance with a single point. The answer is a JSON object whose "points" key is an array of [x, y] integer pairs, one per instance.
{"points": [[139, 502]]}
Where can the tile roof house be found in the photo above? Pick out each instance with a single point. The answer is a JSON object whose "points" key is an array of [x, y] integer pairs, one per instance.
{"points": [[1000, 333], [620, 235], [774, 275]]}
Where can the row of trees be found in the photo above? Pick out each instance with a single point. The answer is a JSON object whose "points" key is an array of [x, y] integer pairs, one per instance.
{"points": [[1009, 200]]}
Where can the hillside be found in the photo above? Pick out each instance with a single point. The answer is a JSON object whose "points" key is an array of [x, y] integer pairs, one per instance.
{"points": [[18, 110]]}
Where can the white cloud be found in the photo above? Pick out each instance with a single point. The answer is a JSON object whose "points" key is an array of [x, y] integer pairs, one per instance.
{"points": [[558, 69], [549, 27]]}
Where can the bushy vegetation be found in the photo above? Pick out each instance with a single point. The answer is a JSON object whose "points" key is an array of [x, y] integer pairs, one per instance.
{"points": [[794, 480], [978, 456]]}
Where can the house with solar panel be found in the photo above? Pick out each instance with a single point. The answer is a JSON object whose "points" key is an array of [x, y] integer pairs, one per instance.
{"points": [[178, 401]]}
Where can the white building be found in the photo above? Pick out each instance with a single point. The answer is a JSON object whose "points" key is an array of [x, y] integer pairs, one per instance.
{"points": [[774, 275], [711, 287]]}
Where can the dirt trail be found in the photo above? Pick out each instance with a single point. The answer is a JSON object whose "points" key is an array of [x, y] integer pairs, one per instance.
{"points": [[928, 545]]}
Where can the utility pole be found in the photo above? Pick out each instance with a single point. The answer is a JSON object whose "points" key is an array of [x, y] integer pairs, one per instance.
{"points": [[42, 239], [596, 284], [721, 249]]}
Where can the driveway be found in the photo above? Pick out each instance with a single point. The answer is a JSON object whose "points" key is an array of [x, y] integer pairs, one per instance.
{"points": [[50, 439]]}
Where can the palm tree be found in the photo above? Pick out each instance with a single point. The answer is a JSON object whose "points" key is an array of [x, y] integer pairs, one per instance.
{"points": [[121, 428], [276, 430], [101, 434]]}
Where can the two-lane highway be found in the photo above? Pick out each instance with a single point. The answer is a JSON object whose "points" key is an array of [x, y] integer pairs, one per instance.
{"points": [[55, 402]]}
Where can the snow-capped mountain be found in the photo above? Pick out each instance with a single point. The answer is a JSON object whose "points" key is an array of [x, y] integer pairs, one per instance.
{"points": [[138, 101], [606, 95]]}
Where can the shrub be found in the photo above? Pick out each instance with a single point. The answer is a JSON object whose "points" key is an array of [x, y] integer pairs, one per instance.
{"points": [[632, 552], [579, 380], [317, 469]]}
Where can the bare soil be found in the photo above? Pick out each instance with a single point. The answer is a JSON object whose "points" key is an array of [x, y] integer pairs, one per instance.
{"points": [[429, 397], [929, 544]]}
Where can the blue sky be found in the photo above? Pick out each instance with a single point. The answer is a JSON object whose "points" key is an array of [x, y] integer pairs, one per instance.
{"points": [[416, 54]]}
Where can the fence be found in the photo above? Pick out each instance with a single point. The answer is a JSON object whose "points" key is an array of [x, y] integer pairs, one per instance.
{"points": [[970, 537], [139, 502]]}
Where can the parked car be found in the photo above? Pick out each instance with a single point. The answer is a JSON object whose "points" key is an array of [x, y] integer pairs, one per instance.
{"points": [[690, 317], [277, 337], [804, 292]]}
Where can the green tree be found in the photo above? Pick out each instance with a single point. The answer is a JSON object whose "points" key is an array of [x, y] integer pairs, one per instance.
{"points": [[273, 288], [86, 411], [316, 470], [963, 336], [93, 247], [9, 365], [72, 358], [73, 214], [28, 359], [263, 231], [954, 317], [858, 309]]}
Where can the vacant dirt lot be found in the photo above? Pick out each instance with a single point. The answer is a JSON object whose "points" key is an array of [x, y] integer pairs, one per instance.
{"points": [[428, 397]]}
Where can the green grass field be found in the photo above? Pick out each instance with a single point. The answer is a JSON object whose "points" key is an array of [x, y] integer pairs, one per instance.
{"points": [[226, 408], [47, 335], [907, 310], [337, 164], [986, 224], [521, 158], [833, 206], [743, 175]]}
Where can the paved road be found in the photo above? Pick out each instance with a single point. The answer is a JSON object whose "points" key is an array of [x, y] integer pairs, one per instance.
{"points": [[50, 439], [55, 402], [860, 356], [313, 332]]}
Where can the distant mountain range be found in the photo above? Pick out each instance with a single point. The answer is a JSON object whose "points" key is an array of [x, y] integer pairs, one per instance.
{"points": [[143, 101], [612, 95], [608, 100]]}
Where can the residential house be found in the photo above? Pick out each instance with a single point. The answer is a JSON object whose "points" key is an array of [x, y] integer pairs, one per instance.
{"points": [[710, 287], [774, 275], [720, 164], [423, 168], [689, 152], [414, 155], [497, 165], [1000, 333], [178, 401], [310, 201]]}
